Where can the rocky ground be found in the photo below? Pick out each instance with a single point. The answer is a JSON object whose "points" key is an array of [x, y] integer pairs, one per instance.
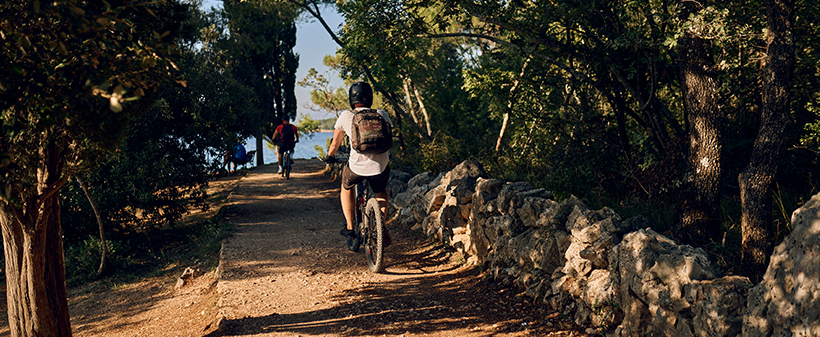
{"points": [[286, 271]]}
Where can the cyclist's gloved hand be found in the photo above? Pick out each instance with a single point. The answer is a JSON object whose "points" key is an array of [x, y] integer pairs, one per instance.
{"points": [[331, 160]]}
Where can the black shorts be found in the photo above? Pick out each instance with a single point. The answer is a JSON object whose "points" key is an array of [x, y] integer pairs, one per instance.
{"points": [[377, 183], [285, 146]]}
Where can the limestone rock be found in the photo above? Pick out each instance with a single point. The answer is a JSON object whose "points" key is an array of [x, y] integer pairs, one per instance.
{"points": [[787, 301], [188, 274], [718, 305], [434, 198], [600, 270], [531, 209], [512, 196], [420, 180], [398, 182], [559, 213], [486, 191], [467, 169], [655, 275], [400, 176]]}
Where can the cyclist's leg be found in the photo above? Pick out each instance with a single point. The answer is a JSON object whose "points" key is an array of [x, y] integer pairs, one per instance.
{"points": [[348, 205], [280, 151], [349, 181], [379, 185], [383, 198]]}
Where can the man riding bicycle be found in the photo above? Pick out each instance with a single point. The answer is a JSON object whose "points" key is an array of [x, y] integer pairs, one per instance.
{"points": [[372, 167], [289, 138]]}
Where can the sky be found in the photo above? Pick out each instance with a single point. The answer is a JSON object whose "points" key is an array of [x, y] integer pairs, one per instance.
{"points": [[312, 44]]}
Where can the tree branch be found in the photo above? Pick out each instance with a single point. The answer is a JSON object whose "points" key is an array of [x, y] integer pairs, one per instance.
{"points": [[312, 7]]}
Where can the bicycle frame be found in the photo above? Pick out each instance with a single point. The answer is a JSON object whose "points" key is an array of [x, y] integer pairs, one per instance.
{"points": [[361, 195]]}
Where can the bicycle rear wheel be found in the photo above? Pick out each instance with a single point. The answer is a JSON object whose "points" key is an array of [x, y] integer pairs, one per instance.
{"points": [[287, 165], [374, 236]]}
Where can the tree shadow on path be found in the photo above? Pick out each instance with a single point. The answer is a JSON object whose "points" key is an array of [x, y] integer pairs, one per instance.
{"points": [[424, 290]]}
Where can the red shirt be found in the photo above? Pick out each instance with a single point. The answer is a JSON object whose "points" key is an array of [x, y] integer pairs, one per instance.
{"points": [[279, 129]]}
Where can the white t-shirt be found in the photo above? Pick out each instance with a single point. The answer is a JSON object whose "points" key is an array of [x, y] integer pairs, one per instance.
{"points": [[364, 165]]}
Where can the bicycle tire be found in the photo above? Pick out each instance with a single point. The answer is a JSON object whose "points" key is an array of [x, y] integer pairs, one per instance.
{"points": [[374, 236], [287, 165]]}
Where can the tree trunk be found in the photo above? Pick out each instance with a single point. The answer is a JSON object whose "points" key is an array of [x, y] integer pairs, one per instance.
{"points": [[104, 245], [756, 180], [510, 102], [260, 137], [35, 271], [409, 99], [619, 106], [699, 221], [422, 108]]}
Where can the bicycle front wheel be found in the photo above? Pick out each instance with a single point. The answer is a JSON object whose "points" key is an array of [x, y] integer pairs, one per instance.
{"points": [[374, 236]]}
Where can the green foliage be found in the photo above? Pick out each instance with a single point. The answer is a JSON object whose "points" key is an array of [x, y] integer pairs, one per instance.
{"points": [[598, 104], [73, 79], [260, 51], [307, 125], [591, 90], [205, 241], [327, 123], [82, 260], [197, 243], [159, 171], [322, 95], [811, 136]]}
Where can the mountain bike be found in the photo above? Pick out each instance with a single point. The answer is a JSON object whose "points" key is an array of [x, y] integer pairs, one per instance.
{"points": [[287, 159], [368, 224], [286, 166]]}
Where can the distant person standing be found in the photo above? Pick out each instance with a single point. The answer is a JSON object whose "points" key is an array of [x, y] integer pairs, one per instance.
{"points": [[237, 156], [289, 138]]}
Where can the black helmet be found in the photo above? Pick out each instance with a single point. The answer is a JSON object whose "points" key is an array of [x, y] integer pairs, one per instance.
{"points": [[361, 92]]}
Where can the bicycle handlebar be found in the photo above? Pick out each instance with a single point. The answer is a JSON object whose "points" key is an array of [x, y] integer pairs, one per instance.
{"points": [[333, 160]]}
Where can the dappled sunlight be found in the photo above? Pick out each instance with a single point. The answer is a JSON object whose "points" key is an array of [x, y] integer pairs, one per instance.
{"points": [[287, 271], [414, 305]]}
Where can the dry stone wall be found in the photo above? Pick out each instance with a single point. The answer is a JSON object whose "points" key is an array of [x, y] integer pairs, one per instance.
{"points": [[611, 274]]}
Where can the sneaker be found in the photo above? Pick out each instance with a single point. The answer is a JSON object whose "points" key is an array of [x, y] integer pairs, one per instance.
{"points": [[280, 170], [350, 234]]}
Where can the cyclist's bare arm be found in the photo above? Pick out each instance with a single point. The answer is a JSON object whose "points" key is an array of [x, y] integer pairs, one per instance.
{"points": [[338, 137]]}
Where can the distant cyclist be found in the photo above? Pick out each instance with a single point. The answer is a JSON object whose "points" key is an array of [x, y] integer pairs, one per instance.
{"points": [[289, 138], [372, 167]]}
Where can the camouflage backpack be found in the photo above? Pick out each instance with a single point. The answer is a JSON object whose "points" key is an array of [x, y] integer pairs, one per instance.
{"points": [[370, 132]]}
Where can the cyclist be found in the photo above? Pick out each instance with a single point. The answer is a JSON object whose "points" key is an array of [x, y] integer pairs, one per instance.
{"points": [[289, 138], [372, 167]]}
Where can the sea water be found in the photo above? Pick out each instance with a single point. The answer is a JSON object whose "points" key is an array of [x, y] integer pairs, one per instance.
{"points": [[305, 148]]}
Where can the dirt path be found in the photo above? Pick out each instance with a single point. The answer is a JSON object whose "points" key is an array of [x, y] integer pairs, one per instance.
{"points": [[287, 272]]}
